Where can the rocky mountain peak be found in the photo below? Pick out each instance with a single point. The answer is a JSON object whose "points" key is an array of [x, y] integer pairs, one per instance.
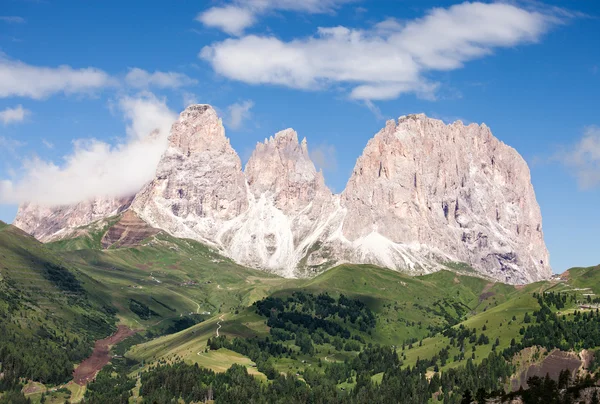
{"points": [[199, 180], [454, 192], [199, 129], [281, 167], [423, 194]]}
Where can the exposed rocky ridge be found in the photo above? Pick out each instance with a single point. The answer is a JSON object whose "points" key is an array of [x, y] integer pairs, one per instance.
{"points": [[49, 223], [422, 193], [129, 231]]}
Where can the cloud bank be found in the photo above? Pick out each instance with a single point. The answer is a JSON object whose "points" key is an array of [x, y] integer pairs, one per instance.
{"points": [[95, 168], [385, 61]]}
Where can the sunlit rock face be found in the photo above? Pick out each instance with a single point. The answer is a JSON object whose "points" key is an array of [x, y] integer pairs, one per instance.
{"points": [[422, 194], [440, 193]]}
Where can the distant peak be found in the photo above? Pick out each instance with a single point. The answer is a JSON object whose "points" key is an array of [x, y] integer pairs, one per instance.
{"points": [[288, 135], [196, 110], [412, 117]]}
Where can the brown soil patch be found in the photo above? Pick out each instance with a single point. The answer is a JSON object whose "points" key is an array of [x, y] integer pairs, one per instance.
{"points": [[552, 365], [33, 388], [88, 369], [129, 231], [143, 267], [485, 293]]}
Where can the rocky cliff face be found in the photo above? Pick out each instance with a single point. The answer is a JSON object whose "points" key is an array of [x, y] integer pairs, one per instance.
{"points": [[422, 194], [199, 183], [430, 192], [48, 223]]}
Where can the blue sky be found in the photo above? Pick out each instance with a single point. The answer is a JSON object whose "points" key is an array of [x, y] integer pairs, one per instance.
{"points": [[334, 70]]}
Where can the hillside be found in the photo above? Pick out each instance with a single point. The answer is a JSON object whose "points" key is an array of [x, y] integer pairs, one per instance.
{"points": [[188, 304], [49, 319]]}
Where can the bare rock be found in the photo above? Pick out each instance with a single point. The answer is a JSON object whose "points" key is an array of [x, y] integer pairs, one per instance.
{"points": [[49, 223], [424, 192], [199, 182], [129, 231], [421, 195]]}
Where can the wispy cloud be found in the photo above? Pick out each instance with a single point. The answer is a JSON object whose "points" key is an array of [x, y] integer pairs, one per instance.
{"points": [[189, 99], [324, 157], [583, 158], [239, 112], [236, 17], [387, 60], [13, 115], [48, 144], [95, 168], [142, 79], [10, 145], [12, 19], [23, 80]]}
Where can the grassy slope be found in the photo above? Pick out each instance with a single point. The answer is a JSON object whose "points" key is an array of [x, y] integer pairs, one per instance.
{"points": [[397, 299], [86, 237], [172, 277], [498, 318], [23, 265], [31, 300]]}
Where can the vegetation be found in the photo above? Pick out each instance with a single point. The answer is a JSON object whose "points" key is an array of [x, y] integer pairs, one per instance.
{"points": [[353, 334], [47, 320]]}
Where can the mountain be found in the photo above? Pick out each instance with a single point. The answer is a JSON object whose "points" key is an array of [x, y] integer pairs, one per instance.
{"points": [[423, 196], [424, 192], [47, 223]]}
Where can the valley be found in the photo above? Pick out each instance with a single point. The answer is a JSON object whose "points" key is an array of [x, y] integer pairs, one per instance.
{"points": [[188, 304]]}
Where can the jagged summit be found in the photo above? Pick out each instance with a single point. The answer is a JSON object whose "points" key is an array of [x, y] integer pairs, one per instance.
{"points": [[423, 193]]}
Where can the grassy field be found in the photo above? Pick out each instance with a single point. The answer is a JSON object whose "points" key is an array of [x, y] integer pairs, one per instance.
{"points": [[405, 307], [172, 277]]}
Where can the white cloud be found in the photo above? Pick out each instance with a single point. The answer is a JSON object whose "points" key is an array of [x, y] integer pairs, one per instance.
{"points": [[390, 59], [13, 115], [238, 113], [234, 18], [48, 144], [139, 78], [12, 19], [95, 168], [230, 19], [324, 157], [18, 79], [583, 158], [10, 145]]}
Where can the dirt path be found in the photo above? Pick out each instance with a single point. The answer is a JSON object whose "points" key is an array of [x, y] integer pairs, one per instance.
{"points": [[218, 328], [87, 370], [219, 324]]}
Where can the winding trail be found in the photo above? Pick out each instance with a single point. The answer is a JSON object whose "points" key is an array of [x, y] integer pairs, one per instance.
{"points": [[219, 324], [218, 328]]}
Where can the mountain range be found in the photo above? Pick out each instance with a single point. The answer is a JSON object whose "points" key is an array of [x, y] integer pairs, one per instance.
{"points": [[423, 196]]}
